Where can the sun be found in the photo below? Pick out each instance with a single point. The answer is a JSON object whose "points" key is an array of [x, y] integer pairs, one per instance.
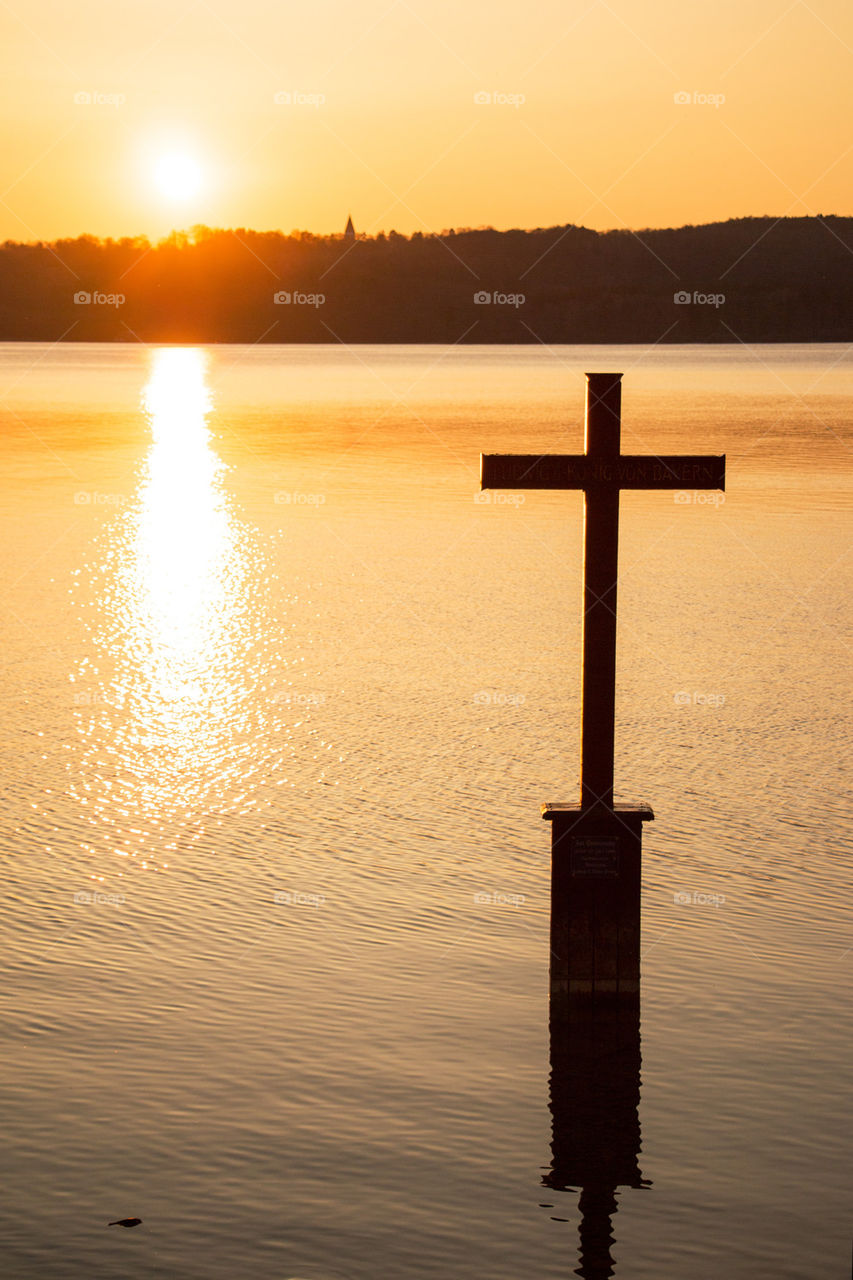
{"points": [[178, 175]]}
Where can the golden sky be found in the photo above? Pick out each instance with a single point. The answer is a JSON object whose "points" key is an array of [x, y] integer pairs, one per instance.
{"points": [[134, 118]]}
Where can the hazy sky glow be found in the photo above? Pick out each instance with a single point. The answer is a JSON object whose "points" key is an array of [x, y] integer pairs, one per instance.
{"points": [[421, 114]]}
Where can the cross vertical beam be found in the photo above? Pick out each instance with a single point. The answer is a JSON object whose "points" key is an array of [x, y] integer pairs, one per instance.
{"points": [[602, 439]]}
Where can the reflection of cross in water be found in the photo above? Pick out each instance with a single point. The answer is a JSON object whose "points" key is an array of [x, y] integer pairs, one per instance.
{"points": [[595, 1095]]}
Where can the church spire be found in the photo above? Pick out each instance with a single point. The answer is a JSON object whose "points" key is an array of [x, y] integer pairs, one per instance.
{"points": [[349, 233]]}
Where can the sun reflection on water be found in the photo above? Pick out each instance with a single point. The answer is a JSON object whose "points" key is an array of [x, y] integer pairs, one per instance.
{"points": [[184, 554], [172, 745]]}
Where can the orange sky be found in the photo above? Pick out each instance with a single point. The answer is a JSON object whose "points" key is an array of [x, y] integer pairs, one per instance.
{"points": [[380, 113]]}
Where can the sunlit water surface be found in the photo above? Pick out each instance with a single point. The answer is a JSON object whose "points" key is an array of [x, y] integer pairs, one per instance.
{"points": [[282, 698]]}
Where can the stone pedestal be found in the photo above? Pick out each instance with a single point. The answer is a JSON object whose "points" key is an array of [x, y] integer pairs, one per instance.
{"points": [[596, 856]]}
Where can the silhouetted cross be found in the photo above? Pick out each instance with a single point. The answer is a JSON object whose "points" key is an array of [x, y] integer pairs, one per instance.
{"points": [[601, 471]]}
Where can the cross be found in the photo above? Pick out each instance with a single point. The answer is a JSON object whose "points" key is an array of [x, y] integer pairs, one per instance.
{"points": [[601, 471]]}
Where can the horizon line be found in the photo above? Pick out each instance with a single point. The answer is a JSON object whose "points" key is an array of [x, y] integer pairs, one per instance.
{"points": [[192, 231]]}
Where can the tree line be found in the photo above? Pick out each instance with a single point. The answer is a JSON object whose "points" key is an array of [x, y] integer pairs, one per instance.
{"points": [[748, 279]]}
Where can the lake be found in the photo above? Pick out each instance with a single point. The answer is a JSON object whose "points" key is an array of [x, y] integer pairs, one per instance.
{"points": [[283, 695]]}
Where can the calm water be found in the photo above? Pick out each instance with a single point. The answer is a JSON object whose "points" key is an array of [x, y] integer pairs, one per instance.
{"points": [[281, 701]]}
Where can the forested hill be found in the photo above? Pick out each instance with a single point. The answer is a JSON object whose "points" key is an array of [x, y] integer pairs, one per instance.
{"points": [[747, 280]]}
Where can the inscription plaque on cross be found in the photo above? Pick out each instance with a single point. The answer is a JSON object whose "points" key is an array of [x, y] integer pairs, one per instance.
{"points": [[595, 886]]}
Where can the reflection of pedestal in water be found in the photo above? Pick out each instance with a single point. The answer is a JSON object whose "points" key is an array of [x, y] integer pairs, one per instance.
{"points": [[595, 1095]]}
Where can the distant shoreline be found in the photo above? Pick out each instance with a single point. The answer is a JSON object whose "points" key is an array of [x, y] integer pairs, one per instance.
{"points": [[749, 280], [435, 342]]}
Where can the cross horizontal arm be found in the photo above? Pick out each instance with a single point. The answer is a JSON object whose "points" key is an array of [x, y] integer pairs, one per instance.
{"points": [[579, 471]]}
